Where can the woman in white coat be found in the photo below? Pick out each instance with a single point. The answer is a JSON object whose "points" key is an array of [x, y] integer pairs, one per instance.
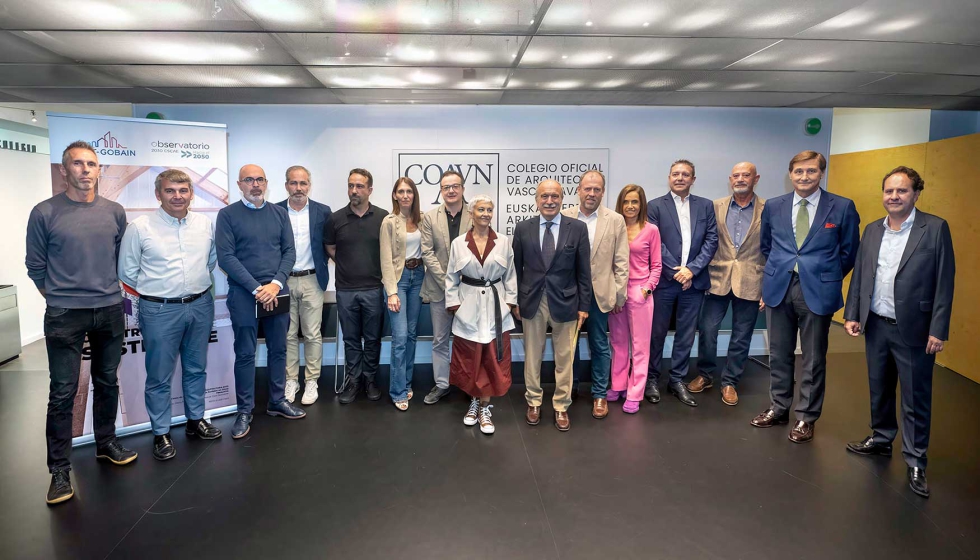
{"points": [[481, 291]]}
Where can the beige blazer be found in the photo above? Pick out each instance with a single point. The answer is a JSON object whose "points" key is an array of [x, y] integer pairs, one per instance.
{"points": [[610, 260], [393, 232], [435, 250], [739, 272]]}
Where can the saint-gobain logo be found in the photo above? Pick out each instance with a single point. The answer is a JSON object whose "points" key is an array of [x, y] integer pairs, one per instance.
{"points": [[109, 145], [480, 171]]}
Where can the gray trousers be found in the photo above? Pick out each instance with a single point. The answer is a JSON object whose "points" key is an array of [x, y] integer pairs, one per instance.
{"points": [[442, 327], [790, 317]]}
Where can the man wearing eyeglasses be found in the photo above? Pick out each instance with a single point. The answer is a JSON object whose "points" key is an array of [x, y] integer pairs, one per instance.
{"points": [[254, 240], [439, 227], [810, 241]]}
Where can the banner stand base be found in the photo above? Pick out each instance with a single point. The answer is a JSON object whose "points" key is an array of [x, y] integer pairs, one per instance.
{"points": [[145, 427]]}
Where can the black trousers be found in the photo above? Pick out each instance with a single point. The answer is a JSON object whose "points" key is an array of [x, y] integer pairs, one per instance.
{"points": [[889, 361], [64, 336], [790, 317], [362, 315]]}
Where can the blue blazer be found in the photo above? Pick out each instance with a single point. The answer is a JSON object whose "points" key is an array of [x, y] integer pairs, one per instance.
{"points": [[827, 255], [319, 218], [662, 213], [567, 283]]}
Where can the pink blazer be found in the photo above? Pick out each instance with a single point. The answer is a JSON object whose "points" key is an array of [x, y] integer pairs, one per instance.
{"points": [[645, 261]]}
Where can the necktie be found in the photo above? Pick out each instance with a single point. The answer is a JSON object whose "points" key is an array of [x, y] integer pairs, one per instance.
{"points": [[802, 227], [548, 245]]}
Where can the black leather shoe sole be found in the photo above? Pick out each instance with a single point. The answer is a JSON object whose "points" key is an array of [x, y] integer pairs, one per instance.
{"points": [[918, 491], [867, 451], [374, 397], [125, 461], [52, 500]]}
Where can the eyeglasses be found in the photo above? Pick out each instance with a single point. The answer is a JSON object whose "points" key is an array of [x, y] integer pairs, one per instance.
{"points": [[453, 187], [253, 180]]}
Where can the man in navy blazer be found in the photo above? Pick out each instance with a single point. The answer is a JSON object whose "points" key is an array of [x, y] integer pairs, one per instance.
{"points": [[689, 238], [307, 282], [554, 278], [810, 238]]}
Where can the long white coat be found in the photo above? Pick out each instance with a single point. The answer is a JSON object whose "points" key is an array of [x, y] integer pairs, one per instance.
{"points": [[474, 318]]}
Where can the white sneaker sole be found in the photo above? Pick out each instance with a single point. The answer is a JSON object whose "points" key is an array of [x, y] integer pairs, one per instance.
{"points": [[308, 401], [467, 421], [487, 430]]}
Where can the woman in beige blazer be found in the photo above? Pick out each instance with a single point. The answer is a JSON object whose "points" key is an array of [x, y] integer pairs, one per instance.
{"points": [[402, 273]]}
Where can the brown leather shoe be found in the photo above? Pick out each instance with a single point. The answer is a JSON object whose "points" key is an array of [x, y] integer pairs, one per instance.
{"points": [[728, 395], [802, 432], [769, 419], [699, 384], [561, 421], [533, 415], [600, 408]]}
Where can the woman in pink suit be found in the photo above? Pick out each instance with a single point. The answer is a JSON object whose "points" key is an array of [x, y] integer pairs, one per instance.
{"points": [[629, 329]]}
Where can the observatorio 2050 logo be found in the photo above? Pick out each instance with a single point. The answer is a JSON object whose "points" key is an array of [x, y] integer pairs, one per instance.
{"points": [[109, 145], [191, 150]]}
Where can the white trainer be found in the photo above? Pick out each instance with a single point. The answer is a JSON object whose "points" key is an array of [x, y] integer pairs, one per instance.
{"points": [[473, 413], [486, 424], [310, 395], [292, 387]]}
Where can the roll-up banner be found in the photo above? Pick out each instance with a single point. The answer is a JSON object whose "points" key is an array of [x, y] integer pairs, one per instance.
{"points": [[132, 152]]}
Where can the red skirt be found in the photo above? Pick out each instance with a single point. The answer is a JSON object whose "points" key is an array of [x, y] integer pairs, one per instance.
{"points": [[474, 367]]}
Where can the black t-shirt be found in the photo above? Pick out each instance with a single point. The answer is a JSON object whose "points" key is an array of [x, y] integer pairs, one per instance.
{"points": [[358, 241]]}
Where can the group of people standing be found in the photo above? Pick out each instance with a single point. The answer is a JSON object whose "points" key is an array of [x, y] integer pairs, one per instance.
{"points": [[620, 274]]}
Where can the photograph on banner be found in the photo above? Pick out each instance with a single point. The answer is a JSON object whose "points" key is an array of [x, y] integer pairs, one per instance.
{"points": [[509, 177], [132, 152]]}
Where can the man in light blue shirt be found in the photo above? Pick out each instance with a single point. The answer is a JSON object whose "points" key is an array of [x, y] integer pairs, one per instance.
{"points": [[168, 257]]}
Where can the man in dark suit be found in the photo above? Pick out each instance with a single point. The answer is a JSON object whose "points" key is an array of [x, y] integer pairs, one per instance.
{"points": [[689, 239], [901, 296], [552, 258], [307, 282], [810, 238]]}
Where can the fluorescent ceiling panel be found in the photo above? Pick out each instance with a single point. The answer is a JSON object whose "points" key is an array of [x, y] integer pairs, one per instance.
{"points": [[331, 49], [637, 52], [412, 78]]}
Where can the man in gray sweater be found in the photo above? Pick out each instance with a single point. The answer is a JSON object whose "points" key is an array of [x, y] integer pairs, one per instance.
{"points": [[72, 246]]}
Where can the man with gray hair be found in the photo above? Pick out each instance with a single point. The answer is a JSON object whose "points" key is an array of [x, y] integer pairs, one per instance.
{"points": [[168, 257]]}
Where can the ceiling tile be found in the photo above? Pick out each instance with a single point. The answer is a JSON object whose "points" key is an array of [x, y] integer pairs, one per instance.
{"points": [[416, 77], [736, 98], [528, 97], [329, 49], [251, 96], [100, 15], [568, 79], [923, 84], [14, 48], [944, 21], [895, 101], [410, 96], [213, 76], [88, 95], [637, 52], [57, 75]]}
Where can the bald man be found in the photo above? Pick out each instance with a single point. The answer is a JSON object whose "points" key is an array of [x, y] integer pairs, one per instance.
{"points": [[254, 240], [551, 255], [736, 280]]}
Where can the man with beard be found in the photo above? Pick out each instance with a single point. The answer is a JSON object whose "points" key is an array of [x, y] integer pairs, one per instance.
{"points": [[353, 240], [736, 278], [256, 250]]}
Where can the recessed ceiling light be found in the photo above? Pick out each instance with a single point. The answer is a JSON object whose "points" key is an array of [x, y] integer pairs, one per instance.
{"points": [[564, 56], [388, 53], [513, 55], [532, 22], [588, 24], [477, 21], [646, 24], [347, 53], [425, 21], [609, 57]]}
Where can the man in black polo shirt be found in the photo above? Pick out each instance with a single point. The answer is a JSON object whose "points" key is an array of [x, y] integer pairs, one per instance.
{"points": [[353, 240]]}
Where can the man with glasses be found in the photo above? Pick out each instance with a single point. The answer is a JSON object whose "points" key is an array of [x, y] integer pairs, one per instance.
{"points": [[439, 227], [254, 240], [810, 238], [353, 239]]}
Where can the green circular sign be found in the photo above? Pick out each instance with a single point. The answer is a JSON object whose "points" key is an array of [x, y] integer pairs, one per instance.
{"points": [[812, 126], [155, 115]]}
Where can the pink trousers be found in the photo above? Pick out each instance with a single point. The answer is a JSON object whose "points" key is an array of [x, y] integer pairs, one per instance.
{"points": [[630, 330]]}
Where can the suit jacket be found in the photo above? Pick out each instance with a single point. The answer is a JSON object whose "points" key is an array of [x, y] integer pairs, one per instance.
{"points": [[662, 213], [923, 284], [738, 271], [827, 254], [319, 218], [435, 250], [610, 259], [567, 282]]}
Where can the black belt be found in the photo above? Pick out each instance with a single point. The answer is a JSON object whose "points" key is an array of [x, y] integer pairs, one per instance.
{"points": [[497, 317], [186, 299], [303, 273], [412, 264], [888, 320]]}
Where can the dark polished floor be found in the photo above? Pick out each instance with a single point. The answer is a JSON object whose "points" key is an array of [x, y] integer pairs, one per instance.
{"points": [[368, 481]]}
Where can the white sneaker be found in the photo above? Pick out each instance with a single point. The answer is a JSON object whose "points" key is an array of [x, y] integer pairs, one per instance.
{"points": [[486, 424], [292, 387], [473, 413], [310, 394]]}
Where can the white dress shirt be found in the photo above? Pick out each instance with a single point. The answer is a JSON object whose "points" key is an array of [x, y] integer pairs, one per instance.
{"points": [[590, 222], [300, 222], [164, 257], [683, 206], [554, 230], [811, 207], [889, 257]]}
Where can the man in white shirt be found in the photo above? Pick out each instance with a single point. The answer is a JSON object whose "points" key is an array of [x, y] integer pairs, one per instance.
{"points": [[307, 283], [168, 257]]}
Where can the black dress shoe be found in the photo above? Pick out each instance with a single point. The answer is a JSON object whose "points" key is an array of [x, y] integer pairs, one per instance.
{"points": [[680, 391], [242, 425], [574, 391], [115, 453], [349, 394], [163, 448], [652, 392], [60, 489], [918, 482], [373, 393], [201, 429], [868, 446]]}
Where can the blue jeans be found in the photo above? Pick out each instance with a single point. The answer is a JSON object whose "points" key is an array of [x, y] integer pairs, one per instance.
{"points": [[744, 314], [597, 327], [241, 307], [171, 330], [404, 332]]}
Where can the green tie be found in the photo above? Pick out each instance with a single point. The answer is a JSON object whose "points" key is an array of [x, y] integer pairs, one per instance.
{"points": [[802, 227]]}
